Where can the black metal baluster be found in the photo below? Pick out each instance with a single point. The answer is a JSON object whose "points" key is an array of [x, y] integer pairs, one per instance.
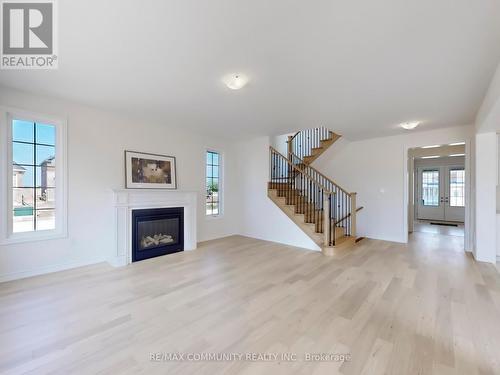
{"points": [[322, 212]]}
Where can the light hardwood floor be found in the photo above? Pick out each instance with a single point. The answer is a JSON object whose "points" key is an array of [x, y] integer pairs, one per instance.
{"points": [[425, 226], [420, 308]]}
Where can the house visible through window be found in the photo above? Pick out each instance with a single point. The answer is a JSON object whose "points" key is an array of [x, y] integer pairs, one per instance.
{"points": [[457, 188], [213, 201], [430, 188], [33, 176]]}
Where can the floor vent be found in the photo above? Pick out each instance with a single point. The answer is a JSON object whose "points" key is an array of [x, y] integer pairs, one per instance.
{"points": [[445, 224]]}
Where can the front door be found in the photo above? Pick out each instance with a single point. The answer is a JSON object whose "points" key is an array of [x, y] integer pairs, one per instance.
{"points": [[441, 193]]}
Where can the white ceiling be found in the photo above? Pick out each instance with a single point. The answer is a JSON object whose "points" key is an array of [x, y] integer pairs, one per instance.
{"points": [[357, 67]]}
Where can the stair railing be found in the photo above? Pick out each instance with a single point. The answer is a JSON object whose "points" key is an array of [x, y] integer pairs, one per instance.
{"points": [[307, 195], [345, 204], [302, 142]]}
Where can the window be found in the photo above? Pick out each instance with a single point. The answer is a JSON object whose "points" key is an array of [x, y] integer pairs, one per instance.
{"points": [[34, 201], [213, 183], [457, 188], [430, 188], [34, 176]]}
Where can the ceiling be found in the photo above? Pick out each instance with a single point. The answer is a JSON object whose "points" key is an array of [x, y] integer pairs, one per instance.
{"points": [[441, 151], [357, 67]]}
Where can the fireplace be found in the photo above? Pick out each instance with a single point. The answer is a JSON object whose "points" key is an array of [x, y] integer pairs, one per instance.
{"points": [[156, 232]]}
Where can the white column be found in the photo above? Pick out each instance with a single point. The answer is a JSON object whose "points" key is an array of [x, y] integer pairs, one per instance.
{"points": [[485, 197]]}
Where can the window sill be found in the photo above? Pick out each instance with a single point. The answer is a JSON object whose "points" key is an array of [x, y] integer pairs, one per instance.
{"points": [[214, 217], [19, 238]]}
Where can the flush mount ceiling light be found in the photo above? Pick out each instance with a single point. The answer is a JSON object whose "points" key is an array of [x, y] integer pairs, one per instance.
{"points": [[409, 125], [433, 146], [235, 81]]}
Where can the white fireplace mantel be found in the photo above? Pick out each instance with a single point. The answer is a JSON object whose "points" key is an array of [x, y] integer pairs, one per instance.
{"points": [[127, 200]]}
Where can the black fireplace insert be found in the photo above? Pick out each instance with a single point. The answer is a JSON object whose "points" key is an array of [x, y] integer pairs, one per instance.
{"points": [[156, 232]]}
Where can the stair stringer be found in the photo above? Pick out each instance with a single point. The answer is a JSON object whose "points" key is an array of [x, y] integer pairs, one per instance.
{"points": [[344, 244]]}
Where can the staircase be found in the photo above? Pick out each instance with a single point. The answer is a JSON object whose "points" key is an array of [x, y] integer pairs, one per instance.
{"points": [[309, 144], [320, 207]]}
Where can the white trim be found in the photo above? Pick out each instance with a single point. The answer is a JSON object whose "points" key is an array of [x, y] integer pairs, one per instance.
{"points": [[127, 200], [61, 230], [469, 223], [221, 183]]}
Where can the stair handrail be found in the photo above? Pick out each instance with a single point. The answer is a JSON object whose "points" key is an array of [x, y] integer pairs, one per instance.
{"points": [[328, 191], [305, 140], [346, 206], [315, 171], [348, 215], [292, 137]]}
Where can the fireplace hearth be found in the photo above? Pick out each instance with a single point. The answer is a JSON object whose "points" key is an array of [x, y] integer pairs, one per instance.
{"points": [[156, 232]]}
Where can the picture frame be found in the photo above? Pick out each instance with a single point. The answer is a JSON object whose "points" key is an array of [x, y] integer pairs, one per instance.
{"points": [[150, 171]]}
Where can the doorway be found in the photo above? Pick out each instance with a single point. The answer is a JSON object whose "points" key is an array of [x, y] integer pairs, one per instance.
{"points": [[437, 189]]}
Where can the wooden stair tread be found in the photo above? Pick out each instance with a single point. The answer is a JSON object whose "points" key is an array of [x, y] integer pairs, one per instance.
{"points": [[342, 246], [317, 151]]}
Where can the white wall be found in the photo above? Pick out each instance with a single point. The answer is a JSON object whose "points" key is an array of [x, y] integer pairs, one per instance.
{"points": [[261, 217], [498, 237], [498, 174], [279, 142], [96, 144], [488, 116], [486, 181], [487, 124], [377, 170]]}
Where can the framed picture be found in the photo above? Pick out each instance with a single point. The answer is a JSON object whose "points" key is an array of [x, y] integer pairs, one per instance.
{"points": [[149, 171]]}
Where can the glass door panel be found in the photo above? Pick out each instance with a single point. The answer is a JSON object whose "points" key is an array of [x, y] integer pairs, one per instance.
{"points": [[430, 194], [430, 188], [455, 194]]}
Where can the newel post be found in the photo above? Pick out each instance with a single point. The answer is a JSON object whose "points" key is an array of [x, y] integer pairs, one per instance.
{"points": [[289, 144], [353, 214], [326, 219]]}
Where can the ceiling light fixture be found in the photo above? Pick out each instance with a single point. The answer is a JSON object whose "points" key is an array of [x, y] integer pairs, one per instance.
{"points": [[409, 125], [457, 155], [430, 157], [433, 146], [457, 144], [235, 81]]}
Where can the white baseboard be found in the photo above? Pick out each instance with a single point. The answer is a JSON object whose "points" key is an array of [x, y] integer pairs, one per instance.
{"points": [[373, 236], [118, 261], [49, 269], [491, 260]]}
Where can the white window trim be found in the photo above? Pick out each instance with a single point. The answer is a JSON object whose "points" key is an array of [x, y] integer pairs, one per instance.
{"points": [[221, 183], [61, 226]]}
